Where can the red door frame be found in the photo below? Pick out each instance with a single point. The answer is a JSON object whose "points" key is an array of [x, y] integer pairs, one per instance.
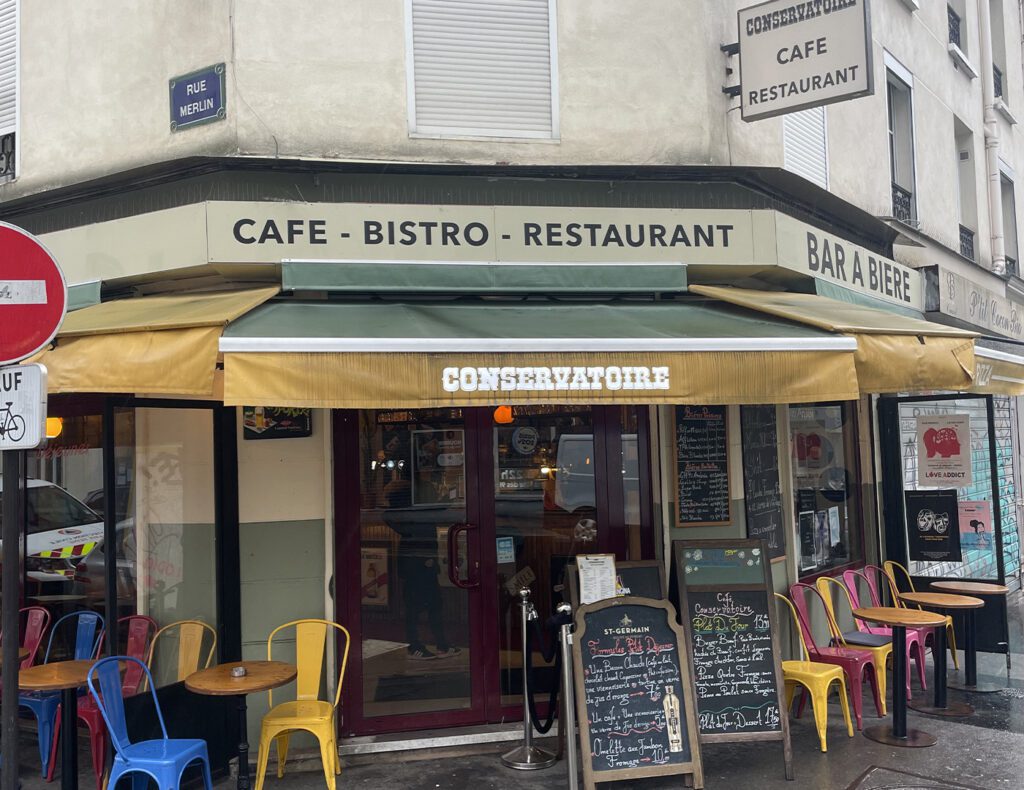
{"points": [[485, 679]]}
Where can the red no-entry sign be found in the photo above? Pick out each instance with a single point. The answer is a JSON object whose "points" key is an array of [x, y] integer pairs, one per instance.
{"points": [[33, 295]]}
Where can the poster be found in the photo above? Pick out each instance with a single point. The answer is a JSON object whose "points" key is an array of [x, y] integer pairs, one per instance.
{"points": [[806, 525], [933, 525], [597, 577], [976, 528], [269, 422], [374, 575], [439, 463], [944, 450]]}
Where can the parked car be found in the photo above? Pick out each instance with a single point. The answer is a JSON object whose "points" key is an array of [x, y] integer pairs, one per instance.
{"points": [[62, 531]]}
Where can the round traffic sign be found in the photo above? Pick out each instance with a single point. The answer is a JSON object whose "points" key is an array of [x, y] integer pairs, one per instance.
{"points": [[33, 295]]}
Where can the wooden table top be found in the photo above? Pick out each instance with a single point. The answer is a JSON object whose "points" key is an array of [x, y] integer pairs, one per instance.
{"points": [[890, 615], [971, 588], [942, 600], [55, 676], [260, 676]]}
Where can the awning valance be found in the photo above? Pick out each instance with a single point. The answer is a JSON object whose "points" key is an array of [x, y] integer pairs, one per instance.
{"points": [[164, 345], [895, 353], [999, 371], [404, 355]]}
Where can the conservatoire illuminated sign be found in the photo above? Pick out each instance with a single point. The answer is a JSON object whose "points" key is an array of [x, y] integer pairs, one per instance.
{"points": [[555, 379], [795, 55]]}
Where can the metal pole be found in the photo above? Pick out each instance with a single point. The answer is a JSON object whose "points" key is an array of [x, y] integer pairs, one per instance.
{"points": [[527, 757], [569, 704], [13, 494]]}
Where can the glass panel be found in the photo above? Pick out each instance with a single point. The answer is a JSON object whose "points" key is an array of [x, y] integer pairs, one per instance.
{"points": [[166, 538], [631, 481], [825, 486], [546, 512], [977, 531], [415, 622]]}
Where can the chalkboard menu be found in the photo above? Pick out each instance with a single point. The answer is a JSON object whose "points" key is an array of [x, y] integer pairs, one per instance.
{"points": [[702, 465], [761, 490], [639, 578], [634, 693], [725, 594]]}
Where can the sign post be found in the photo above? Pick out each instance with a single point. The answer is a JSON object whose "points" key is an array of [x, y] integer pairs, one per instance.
{"points": [[33, 301]]}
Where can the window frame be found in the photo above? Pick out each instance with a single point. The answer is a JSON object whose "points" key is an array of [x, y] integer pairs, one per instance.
{"points": [[899, 77]]}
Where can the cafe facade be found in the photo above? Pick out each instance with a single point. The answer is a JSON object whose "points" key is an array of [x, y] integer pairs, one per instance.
{"points": [[395, 404]]}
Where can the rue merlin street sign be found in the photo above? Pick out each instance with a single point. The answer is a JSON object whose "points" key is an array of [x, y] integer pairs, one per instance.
{"points": [[795, 55], [197, 97]]}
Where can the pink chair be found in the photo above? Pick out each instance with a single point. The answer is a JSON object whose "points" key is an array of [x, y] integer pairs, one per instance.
{"points": [[855, 663], [37, 620]]}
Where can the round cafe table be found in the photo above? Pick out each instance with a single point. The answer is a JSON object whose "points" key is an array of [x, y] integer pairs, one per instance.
{"points": [[219, 682], [66, 677], [970, 681], [899, 620], [944, 602]]}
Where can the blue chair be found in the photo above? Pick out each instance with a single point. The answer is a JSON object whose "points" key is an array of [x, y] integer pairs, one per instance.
{"points": [[44, 704], [164, 759]]}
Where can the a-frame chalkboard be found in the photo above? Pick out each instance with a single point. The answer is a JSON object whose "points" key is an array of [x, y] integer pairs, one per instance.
{"points": [[634, 693], [728, 613]]}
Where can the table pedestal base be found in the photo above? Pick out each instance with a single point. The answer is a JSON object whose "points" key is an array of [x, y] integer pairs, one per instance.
{"points": [[882, 733], [977, 688], [924, 705]]}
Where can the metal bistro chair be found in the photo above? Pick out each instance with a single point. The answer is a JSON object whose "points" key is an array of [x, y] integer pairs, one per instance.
{"points": [[44, 704], [191, 635], [857, 663], [36, 620], [308, 712], [162, 759], [815, 676], [139, 630], [891, 569]]}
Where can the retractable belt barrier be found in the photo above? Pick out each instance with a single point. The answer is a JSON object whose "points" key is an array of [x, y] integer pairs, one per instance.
{"points": [[549, 650]]}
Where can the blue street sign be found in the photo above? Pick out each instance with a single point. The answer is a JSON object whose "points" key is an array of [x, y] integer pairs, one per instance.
{"points": [[197, 97]]}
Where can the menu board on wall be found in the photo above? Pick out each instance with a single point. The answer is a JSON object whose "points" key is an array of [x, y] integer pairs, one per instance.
{"points": [[725, 593], [633, 692], [702, 466], [761, 490]]}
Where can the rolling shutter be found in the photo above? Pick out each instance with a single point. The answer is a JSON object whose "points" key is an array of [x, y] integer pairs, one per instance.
{"points": [[805, 150], [8, 66], [481, 68]]}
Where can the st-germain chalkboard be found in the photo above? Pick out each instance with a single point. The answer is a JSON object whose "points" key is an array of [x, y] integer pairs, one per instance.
{"points": [[634, 694], [702, 466], [725, 594], [761, 491]]}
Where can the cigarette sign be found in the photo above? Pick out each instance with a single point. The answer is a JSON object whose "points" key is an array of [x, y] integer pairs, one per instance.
{"points": [[795, 55]]}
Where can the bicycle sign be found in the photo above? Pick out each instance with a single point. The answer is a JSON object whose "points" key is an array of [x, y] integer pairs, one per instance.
{"points": [[22, 407]]}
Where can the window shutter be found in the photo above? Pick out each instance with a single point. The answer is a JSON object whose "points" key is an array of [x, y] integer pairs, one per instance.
{"points": [[805, 150], [8, 66], [482, 68]]}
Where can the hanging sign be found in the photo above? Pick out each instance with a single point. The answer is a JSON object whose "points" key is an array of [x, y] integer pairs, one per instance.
{"points": [[933, 525], [944, 450], [795, 55], [634, 693]]}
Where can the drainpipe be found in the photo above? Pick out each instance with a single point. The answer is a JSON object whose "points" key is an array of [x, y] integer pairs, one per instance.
{"points": [[988, 92]]}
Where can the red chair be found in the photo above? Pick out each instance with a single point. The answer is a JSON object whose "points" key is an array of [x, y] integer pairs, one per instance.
{"points": [[139, 630], [856, 663], [37, 620]]}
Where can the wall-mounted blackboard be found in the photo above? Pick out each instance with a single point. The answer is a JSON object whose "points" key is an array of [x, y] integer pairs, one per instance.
{"points": [[725, 594], [639, 578], [702, 466], [634, 694], [761, 490]]}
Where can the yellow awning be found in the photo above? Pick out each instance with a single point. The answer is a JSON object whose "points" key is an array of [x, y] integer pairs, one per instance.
{"points": [[895, 353], [161, 345], [997, 372]]}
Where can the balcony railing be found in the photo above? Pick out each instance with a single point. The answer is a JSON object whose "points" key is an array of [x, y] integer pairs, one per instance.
{"points": [[1012, 268], [902, 204], [967, 242], [7, 157], [997, 80], [954, 26]]}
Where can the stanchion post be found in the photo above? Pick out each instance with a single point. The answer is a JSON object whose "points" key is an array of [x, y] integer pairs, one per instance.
{"points": [[10, 535], [527, 757], [568, 700]]}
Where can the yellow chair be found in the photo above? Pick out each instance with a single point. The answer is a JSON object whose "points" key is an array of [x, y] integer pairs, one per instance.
{"points": [[191, 635], [308, 712], [890, 568], [880, 653], [817, 678]]}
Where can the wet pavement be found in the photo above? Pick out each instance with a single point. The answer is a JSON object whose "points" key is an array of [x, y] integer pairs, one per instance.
{"points": [[979, 752]]}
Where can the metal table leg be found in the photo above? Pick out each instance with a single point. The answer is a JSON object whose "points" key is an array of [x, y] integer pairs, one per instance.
{"points": [[942, 706], [899, 734], [69, 739], [243, 745], [970, 681]]}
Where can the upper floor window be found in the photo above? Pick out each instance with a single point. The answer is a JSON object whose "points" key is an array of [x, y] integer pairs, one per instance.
{"points": [[999, 71], [1009, 225], [967, 197], [901, 147], [482, 68], [8, 86], [955, 18]]}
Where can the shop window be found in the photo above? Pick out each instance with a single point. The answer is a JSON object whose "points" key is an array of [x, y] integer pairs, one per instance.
{"points": [[901, 147], [826, 485], [482, 68]]}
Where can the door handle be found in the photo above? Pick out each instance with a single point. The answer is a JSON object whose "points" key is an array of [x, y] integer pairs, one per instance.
{"points": [[453, 558]]}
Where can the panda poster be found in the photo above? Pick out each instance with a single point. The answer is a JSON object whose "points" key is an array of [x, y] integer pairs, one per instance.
{"points": [[944, 450], [933, 525]]}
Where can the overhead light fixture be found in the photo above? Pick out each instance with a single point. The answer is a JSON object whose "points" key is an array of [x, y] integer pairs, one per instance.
{"points": [[503, 415], [54, 427]]}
